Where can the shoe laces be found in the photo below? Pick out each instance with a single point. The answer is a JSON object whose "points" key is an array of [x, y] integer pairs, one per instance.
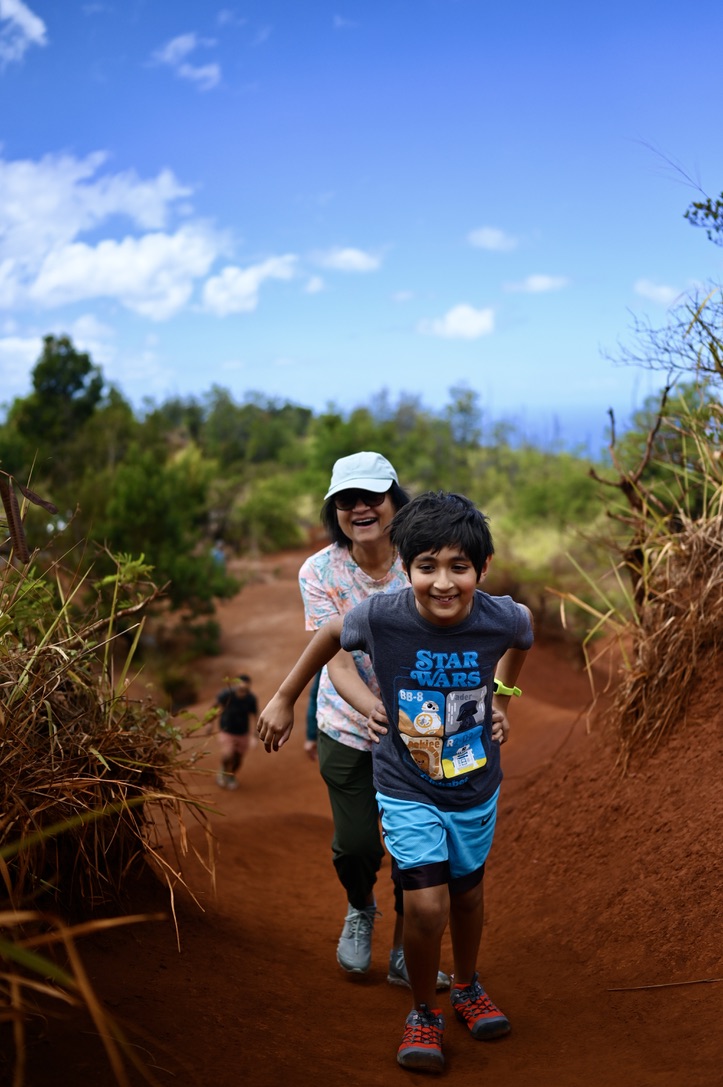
{"points": [[361, 922], [476, 999], [423, 1028]]}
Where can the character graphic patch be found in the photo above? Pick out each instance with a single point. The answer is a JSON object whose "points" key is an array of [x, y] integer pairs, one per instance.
{"points": [[444, 733]]}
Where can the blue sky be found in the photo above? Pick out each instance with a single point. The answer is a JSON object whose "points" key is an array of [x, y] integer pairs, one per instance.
{"points": [[319, 201]]}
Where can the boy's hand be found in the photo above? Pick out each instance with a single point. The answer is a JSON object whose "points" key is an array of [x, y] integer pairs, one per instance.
{"points": [[377, 722], [276, 722], [500, 725]]}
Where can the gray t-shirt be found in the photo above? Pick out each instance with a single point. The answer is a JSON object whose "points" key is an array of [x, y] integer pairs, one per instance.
{"points": [[437, 684]]}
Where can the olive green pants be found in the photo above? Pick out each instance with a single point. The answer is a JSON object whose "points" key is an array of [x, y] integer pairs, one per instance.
{"points": [[357, 843]]}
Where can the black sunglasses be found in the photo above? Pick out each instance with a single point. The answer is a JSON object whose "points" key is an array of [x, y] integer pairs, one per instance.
{"points": [[347, 500]]}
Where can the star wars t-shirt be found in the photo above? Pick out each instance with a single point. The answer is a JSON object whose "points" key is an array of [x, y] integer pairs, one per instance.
{"points": [[436, 684]]}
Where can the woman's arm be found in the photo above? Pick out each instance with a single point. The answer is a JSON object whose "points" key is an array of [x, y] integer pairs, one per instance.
{"points": [[347, 681], [277, 718]]}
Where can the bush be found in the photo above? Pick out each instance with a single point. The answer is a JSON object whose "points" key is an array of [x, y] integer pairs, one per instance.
{"points": [[91, 784], [267, 520]]}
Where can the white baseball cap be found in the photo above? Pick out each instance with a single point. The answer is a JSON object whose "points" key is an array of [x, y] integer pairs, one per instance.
{"points": [[364, 471]]}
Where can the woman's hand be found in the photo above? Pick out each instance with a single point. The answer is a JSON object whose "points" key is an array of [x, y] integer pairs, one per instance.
{"points": [[377, 723], [276, 722], [310, 749]]}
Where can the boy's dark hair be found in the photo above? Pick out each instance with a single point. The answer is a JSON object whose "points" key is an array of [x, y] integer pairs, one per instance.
{"points": [[244, 678], [330, 519], [438, 519]]}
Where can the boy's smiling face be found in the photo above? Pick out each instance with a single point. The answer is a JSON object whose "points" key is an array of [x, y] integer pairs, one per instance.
{"points": [[444, 584]]}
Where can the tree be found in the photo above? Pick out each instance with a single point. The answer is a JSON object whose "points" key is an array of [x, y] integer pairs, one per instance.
{"points": [[708, 213], [67, 390], [159, 510]]}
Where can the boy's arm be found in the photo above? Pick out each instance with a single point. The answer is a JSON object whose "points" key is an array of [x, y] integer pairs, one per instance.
{"points": [[277, 718], [508, 669]]}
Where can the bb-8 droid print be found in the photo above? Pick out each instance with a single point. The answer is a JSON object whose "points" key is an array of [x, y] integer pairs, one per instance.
{"points": [[428, 719]]}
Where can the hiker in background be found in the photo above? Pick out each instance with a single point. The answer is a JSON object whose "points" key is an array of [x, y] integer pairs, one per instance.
{"points": [[237, 712], [218, 554]]}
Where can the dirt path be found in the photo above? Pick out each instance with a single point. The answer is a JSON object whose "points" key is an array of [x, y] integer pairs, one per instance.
{"points": [[255, 996]]}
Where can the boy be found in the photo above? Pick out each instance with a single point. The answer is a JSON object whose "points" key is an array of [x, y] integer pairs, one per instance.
{"points": [[238, 709], [435, 648]]}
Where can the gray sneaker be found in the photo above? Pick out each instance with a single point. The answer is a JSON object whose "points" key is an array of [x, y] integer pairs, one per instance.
{"points": [[354, 950], [398, 971]]}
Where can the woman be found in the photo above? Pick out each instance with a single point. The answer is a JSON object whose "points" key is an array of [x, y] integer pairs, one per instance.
{"points": [[363, 496]]}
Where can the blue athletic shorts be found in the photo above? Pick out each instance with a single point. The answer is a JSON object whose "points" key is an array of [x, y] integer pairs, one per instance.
{"points": [[431, 847]]}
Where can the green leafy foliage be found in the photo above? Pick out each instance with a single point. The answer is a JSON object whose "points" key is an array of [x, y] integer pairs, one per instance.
{"points": [[167, 482], [266, 518], [160, 509], [708, 214], [67, 389]]}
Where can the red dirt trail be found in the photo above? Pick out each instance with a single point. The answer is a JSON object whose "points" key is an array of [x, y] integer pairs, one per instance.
{"points": [[602, 935]]}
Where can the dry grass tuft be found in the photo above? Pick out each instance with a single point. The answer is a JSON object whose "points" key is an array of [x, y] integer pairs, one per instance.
{"points": [[678, 633], [662, 612], [91, 784]]}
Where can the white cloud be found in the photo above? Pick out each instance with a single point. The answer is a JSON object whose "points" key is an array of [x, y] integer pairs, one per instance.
{"points": [[403, 296], [262, 35], [18, 355], [49, 202], [207, 76], [314, 285], [174, 54], [656, 292], [152, 275], [236, 290], [19, 29], [47, 206], [492, 238], [539, 284], [91, 335], [228, 17], [348, 260], [462, 322], [340, 23], [9, 285], [141, 372]]}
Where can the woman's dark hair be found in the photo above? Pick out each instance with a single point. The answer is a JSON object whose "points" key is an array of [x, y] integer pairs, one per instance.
{"points": [[330, 519], [438, 519]]}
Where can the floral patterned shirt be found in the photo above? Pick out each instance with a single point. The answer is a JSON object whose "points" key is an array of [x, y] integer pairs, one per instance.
{"points": [[332, 584]]}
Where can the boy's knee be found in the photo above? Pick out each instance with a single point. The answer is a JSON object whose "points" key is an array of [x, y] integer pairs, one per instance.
{"points": [[427, 909], [469, 900]]}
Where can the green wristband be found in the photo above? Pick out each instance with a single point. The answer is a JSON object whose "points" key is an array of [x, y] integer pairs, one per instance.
{"points": [[501, 689]]}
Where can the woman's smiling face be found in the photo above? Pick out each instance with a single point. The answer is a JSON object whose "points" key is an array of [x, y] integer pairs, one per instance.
{"points": [[365, 523]]}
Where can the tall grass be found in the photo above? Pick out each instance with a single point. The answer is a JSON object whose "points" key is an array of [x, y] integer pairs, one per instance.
{"points": [[666, 566], [92, 783]]}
